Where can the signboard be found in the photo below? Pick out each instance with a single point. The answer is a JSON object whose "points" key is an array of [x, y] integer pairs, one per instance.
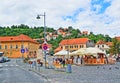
{"points": [[22, 50], [45, 46]]}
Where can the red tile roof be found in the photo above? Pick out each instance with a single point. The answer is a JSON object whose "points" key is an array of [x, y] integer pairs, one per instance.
{"points": [[101, 42], [57, 49], [109, 44], [21, 37], [74, 41]]}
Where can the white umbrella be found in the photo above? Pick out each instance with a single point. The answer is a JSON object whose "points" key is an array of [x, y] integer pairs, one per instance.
{"points": [[87, 51], [62, 52], [93, 51], [81, 51]]}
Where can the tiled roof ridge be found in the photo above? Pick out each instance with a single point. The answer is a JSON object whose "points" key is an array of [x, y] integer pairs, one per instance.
{"points": [[101, 42], [74, 41], [20, 37]]}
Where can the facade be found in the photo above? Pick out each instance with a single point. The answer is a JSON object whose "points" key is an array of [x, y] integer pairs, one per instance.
{"points": [[85, 32], [75, 44], [18, 46], [102, 45]]}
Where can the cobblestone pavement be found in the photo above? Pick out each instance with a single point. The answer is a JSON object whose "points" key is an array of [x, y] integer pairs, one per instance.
{"points": [[82, 74], [85, 74]]}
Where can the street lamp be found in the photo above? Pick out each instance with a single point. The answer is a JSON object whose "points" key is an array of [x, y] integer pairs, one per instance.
{"points": [[22, 49], [38, 17]]}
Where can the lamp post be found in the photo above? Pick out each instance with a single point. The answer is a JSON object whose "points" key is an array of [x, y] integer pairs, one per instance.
{"points": [[22, 49], [38, 17], [68, 44]]}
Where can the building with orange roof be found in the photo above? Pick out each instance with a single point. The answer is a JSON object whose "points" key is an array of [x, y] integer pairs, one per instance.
{"points": [[75, 44], [85, 32], [58, 49], [102, 45], [59, 31], [12, 45], [55, 36], [109, 44]]}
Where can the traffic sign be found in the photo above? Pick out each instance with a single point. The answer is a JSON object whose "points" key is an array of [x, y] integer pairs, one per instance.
{"points": [[45, 47], [22, 50]]}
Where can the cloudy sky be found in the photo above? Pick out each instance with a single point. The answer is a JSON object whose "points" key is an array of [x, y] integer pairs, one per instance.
{"points": [[97, 16]]}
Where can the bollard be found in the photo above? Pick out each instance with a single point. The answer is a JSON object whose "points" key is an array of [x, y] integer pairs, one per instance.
{"points": [[16, 60], [38, 67], [29, 65], [34, 65], [69, 68]]}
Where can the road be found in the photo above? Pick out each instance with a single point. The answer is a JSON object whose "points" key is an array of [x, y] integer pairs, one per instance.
{"points": [[10, 72]]}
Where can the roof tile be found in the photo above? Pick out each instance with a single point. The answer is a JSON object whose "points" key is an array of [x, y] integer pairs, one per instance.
{"points": [[21, 37], [74, 41]]}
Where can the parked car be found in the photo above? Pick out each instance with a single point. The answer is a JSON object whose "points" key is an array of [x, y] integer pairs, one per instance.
{"points": [[6, 59], [1, 59]]}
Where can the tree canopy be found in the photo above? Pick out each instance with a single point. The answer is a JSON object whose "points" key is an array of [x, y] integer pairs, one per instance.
{"points": [[38, 32]]}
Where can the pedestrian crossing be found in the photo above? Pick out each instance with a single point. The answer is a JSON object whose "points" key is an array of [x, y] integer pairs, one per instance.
{"points": [[8, 65]]}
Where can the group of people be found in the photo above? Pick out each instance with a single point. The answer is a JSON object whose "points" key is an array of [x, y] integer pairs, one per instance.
{"points": [[61, 61], [64, 61]]}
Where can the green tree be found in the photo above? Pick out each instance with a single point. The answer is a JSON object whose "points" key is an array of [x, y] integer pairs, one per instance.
{"points": [[115, 49], [74, 33], [107, 38]]}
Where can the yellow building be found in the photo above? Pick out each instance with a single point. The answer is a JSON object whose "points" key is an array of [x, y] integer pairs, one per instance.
{"points": [[74, 44], [18, 46]]}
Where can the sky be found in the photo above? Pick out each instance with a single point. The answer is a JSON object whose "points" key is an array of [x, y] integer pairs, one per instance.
{"points": [[97, 16]]}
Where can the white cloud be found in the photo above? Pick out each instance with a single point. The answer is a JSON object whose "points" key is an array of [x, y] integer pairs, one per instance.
{"points": [[15, 12]]}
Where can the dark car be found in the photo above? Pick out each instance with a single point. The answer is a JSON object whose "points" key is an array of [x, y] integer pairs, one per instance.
{"points": [[1, 59], [6, 59]]}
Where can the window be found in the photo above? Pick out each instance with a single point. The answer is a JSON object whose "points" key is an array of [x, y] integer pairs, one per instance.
{"points": [[0, 47], [16, 46], [22, 46], [98, 46], [77, 46], [102, 45], [71, 46], [82, 46], [10, 46], [66, 47], [5, 46]]}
